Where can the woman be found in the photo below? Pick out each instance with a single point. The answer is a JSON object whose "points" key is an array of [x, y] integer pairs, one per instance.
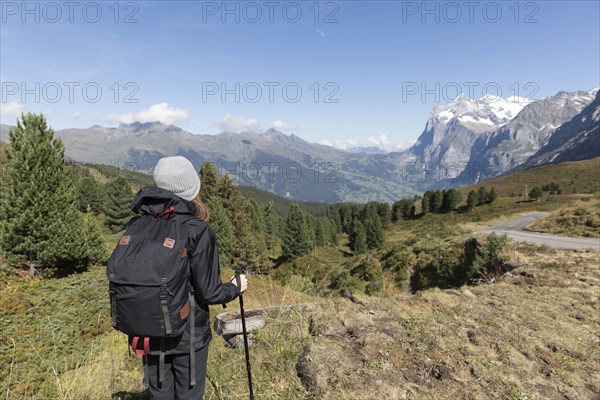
{"points": [[176, 189]]}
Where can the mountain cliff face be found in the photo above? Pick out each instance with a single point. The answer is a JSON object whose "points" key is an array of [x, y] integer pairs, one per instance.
{"points": [[577, 139], [468, 152], [452, 130]]}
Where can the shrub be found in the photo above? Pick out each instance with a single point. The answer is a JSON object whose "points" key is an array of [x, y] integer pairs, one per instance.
{"points": [[399, 261], [444, 267], [345, 281], [368, 269], [374, 287], [483, 261], [437, 267]]}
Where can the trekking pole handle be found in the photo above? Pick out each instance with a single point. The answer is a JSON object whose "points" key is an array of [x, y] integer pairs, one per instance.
{"points": [[238, 279]]}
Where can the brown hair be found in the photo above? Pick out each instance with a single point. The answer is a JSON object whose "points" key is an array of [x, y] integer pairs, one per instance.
{"points": [[202, 210]]}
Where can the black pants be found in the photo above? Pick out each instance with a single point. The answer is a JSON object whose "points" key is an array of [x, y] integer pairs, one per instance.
{"points": [[176, 385]]}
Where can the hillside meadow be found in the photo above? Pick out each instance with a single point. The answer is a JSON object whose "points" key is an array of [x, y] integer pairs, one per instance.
{"points": [[572, 177], [527, 334]]}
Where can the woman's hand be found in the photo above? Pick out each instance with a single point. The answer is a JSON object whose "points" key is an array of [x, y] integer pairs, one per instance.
{"points": [[243, 282]]}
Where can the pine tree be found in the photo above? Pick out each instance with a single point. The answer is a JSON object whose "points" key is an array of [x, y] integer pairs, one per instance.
{"points": [[296, 241], [536, 193], [369, 210], [272, 225], [251, 249], [472, 200], [357, 238], [90, 193], [347, 214], [334, 234], [445, 201], [209, 180], [116, 208], [321, 233], [223, 229], [425, 202], [384, 212], [40, 224], [401, 209], [96, 253], [482, 195], [257, 217], [452, 199], [309, 222], [329, 230], [435, 202], [491, 196], [334, 215], [374, 232]]}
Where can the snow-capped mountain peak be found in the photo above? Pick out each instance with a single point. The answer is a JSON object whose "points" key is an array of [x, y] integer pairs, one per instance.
{"points": [[487, 111]]}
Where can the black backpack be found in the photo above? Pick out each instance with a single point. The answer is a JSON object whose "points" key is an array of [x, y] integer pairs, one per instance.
{"points": [[150, 291]]}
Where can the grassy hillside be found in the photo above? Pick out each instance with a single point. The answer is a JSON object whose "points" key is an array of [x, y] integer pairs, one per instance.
{"points": [[533, 335], [572, 177], [529, 334], [581, 218], [57, 342], [470, 342]]}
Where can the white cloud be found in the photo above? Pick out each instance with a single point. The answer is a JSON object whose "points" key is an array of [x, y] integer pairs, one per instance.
{"points": [[320, 32], [282, 126], [11, 110], [229, 123], [381, 142], [162, 112], [76, 114]]}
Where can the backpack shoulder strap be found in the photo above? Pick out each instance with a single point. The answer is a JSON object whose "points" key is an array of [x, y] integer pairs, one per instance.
{"points": [[192, 339], [192, 320]]}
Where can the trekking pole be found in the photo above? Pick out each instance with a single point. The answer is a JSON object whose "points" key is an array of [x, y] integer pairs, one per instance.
{"points": [[238, 272]]}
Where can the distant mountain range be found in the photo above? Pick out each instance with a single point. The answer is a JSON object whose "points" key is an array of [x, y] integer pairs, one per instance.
{"points": [[465, 141]]}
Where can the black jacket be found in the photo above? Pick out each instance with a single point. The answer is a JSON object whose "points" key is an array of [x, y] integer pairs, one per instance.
{"points": [[204, 264]]}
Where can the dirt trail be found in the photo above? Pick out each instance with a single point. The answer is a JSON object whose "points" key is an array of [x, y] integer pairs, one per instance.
{"points": [[515, 229]]}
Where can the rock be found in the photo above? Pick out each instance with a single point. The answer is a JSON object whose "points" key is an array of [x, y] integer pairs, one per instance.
{"points": [[228, 325], [552, 347], [345, 293], [507, 266], [472, 337], [237, 341]]}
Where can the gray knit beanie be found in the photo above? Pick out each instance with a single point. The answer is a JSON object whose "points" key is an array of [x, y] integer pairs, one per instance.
{"points": [[177, 174]]}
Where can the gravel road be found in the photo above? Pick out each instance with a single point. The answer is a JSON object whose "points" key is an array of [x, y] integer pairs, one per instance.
{"points": [[514, 229]]}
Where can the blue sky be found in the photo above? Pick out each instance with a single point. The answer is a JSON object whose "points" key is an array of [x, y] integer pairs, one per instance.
{"points": [[360, 66]]}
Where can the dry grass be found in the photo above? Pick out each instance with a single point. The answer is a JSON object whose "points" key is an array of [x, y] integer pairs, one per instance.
{"points": [[582, 219], [112, 373], [534, 334], [274, 356], [109, 371]]}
